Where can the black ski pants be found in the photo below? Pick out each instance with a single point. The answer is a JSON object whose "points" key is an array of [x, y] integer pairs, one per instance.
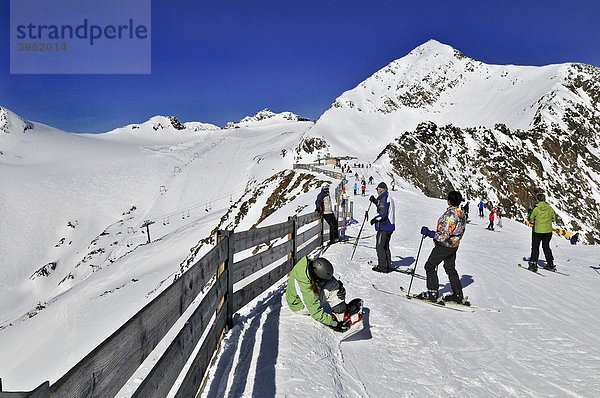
{"points": [[448, 256], [333, 226], [384, 256], [535, 248]]}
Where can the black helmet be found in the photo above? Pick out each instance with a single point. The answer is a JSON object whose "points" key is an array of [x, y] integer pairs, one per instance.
{"points": [[321, 269]]}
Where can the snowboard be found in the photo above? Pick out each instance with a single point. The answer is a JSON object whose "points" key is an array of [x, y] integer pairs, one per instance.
{"points": [[354, 312]]}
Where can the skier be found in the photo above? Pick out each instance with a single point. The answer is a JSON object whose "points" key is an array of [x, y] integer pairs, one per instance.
{"points": [[384, 225], [465, 210], [363, 187], [499, 215], [325, 210], [393, 185], [542, 216], [355, 188], [370, 180], [311, 283], [480, 206], [450, 230], [491, 218]]}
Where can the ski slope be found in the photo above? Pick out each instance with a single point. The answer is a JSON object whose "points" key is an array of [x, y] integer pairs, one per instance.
{"points": [[543, 342]]}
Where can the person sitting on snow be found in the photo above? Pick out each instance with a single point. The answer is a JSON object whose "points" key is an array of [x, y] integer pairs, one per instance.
{"points": [[310, 285]]}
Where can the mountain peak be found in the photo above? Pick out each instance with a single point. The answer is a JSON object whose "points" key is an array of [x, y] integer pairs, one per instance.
{"points": [[10, 122], [265, 114]]}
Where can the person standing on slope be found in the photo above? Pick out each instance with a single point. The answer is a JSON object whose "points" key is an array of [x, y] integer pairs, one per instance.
{"points": [[450, 230], [325, 210], [491, 218], [310, 285], [480, 206], [499, 215], [542, 216], [465, 210], [384, 223]]}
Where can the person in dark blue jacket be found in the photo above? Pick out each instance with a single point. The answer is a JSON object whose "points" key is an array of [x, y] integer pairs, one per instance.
{"points": [[384, 225]]}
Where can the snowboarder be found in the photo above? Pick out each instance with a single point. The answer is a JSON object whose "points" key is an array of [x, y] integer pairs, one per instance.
{"points": [[480, 206], [499, 215], [325, 210], [491, 218], [450, 229], [542, 216], [311, 283], [384, 223]]}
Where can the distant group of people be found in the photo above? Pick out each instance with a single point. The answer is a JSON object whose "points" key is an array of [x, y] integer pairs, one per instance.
{"points": [[494, 214]]}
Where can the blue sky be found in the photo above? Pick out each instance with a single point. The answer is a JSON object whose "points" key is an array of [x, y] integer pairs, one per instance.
{"points": [[218, 61]]}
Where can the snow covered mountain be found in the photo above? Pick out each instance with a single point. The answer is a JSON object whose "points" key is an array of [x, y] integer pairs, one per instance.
{"points": [[498, 132], [265, 115]]}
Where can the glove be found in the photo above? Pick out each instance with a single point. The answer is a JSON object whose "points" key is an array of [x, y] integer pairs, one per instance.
{"points": [[373, 200], [374, 220], [426, 232], [341, 326], [341, 293]]}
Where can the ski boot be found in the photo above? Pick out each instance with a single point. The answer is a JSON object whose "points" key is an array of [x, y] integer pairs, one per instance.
{"points": [[455, 298], [532, 267], [550, 267], [430, 295]]}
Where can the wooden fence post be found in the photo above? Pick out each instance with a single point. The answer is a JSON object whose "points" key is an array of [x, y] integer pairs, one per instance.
{"points": [[226, 234], [294, 220], [322, 230]]}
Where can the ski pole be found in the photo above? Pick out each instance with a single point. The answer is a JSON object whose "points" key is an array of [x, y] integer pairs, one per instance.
{"points": [[415, 267], [361, 228]]}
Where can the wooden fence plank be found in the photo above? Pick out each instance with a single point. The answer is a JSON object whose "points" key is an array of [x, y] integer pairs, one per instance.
{"points": [[307, 218], [105, 370], [308, 248], [250, 265], [247, 239], [193, 379], [252, 290], [163, 375], [308, 234]]}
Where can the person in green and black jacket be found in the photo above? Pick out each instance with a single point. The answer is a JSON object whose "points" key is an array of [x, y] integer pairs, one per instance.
{"points": [[542, 216], [311, 283]]}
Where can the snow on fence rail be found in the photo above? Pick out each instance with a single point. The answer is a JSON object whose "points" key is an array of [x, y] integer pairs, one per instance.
{"points": [[105, 370]]}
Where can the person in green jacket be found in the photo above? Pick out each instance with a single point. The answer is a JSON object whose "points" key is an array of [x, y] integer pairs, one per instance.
{"points": [[310, 285], [542, 216]]}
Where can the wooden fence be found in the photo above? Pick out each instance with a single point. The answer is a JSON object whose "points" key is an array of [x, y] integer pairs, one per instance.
{"points": [[105, 370], [332, 174]]}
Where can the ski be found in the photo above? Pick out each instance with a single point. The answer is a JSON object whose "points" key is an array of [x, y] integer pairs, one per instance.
{"points": [[544, 268], [464, 306], [414, 298], [409, 272], [525, 268], [354, 239], [554, 272]]}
